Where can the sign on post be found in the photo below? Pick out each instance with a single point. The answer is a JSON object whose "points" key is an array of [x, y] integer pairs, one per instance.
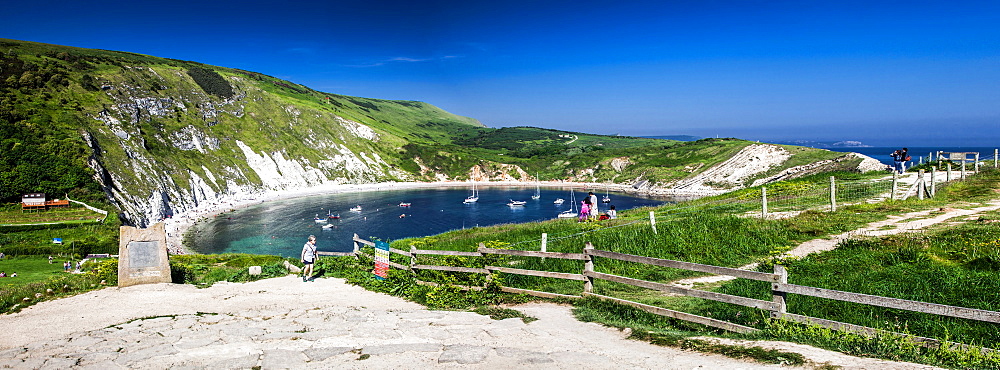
{"points": [[381, 260]]}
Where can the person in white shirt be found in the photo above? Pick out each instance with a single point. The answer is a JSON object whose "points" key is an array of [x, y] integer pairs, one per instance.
{"points": [[308, 258]]}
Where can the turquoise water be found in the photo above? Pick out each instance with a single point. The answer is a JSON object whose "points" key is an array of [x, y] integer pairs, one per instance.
{"points": [[281, 227]]}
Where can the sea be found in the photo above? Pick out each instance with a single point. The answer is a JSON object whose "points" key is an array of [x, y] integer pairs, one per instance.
{"points": [[917, 153], [281, 227]]}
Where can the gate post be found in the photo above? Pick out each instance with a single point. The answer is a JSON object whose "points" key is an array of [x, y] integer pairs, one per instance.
{"points": [[833, 194], [763, 202], [921, 185]]}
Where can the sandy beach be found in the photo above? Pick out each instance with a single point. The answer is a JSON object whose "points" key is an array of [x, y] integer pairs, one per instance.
{"points": [[181, 222]]}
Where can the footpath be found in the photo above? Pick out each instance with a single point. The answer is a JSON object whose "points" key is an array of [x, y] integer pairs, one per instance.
{"points": [[284, 323]]}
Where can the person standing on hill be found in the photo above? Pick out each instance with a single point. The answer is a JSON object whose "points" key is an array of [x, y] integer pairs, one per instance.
{"points": [[593, 204], [899, 159], [308, 258], [584, 210]]}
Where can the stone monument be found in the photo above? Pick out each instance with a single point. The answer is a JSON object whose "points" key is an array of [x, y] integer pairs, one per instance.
{"points": [[142, 256]]}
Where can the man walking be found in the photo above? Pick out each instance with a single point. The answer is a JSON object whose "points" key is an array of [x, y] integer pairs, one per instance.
{"points": [[308, 258]]}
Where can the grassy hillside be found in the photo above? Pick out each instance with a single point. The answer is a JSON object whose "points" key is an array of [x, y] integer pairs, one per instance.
{"points": [[153, 136]]}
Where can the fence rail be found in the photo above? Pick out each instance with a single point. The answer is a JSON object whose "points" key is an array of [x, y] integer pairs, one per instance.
{"points": [[779, 288]]}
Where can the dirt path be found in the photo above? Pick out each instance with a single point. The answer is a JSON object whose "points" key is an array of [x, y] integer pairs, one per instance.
{"points": [[907, 222]]}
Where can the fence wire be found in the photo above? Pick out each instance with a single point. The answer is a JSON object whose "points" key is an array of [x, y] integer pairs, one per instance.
{"points": [[786, 199]]}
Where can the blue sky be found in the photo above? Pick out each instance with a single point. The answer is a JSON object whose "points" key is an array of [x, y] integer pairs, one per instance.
{"points": [[915, 73]]}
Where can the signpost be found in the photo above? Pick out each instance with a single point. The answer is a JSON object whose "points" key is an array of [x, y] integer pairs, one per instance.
{"points": [[381, 260]]}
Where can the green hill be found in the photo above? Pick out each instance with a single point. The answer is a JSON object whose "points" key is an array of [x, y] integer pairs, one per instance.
{"points": [[157, 136]]}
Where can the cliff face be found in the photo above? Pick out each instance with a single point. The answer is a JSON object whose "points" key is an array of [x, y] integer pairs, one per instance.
{"points": [[170, 149]]}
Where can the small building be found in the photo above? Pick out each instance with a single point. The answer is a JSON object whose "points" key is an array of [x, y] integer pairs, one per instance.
{"points": [[33, 199], [33, 202], [38, 201]]}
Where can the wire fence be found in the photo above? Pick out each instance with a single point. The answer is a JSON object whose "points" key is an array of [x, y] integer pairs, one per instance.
{"points": [[789, 198]]}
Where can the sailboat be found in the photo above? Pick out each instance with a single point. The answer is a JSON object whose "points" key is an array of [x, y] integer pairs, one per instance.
{"points": [[607, 195], [474, 197], [538, 192], [317, 219], [516, 203], [571, 212]]}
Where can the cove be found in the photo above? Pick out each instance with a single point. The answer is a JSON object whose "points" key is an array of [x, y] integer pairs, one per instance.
{"points": [[281, 227]]}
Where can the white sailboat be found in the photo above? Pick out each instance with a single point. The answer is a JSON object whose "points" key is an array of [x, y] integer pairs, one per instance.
{"points": [[474, 197], [571, 212], [558, 201], [607, 195], [516, 203], [538, 191]]}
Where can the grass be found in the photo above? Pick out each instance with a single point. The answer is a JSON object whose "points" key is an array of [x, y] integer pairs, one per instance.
{"points": [[11, 214], [29, 269]]}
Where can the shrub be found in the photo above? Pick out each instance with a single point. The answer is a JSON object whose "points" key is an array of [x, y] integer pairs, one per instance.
{"points": [[211, 82]]}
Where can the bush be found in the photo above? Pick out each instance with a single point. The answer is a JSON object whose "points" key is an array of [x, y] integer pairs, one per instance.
{"points": [[211, 82]]}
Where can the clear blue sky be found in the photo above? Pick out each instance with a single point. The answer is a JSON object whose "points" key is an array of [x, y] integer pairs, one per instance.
{"points": [[911, 73]]}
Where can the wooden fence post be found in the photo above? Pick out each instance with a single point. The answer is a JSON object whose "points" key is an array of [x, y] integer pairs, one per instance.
{"points": [[779, 297], [947, 176], [995, 152], [652, 221], [963, 169], [833, 194], [892, 195], [976, 166], [921, 186], [413, 258], [545, 240], [356, 246], [933, 174], [489, 276], [588, 266], [763, 202]]}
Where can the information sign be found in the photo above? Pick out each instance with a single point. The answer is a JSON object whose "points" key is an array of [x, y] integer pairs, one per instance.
{"points": [[381, 260]]}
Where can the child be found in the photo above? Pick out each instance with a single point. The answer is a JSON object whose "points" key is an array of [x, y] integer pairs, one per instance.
{"points": [[584, 210], [612, 214]]}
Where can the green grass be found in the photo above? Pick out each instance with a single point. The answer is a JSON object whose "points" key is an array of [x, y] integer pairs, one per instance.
{"points": [[29, 269], [11, 214]]}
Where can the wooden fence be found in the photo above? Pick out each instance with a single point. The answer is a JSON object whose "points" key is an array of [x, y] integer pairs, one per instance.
{"points": [[778, 279]]}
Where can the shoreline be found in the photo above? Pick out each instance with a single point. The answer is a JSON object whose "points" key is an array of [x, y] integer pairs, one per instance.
{"points": [[182, 222]]}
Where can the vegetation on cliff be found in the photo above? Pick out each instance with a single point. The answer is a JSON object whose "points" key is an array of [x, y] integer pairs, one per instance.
{"points": [[155, 135]]}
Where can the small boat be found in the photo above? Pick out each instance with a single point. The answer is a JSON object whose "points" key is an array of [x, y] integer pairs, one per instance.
{"points": [[356, 209], [516, 203], [317, 219], [333, 217], [558, 201], [571, 212], [538, 193], [607, 196], [474, 197], [404, 204], [328, 226]]}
